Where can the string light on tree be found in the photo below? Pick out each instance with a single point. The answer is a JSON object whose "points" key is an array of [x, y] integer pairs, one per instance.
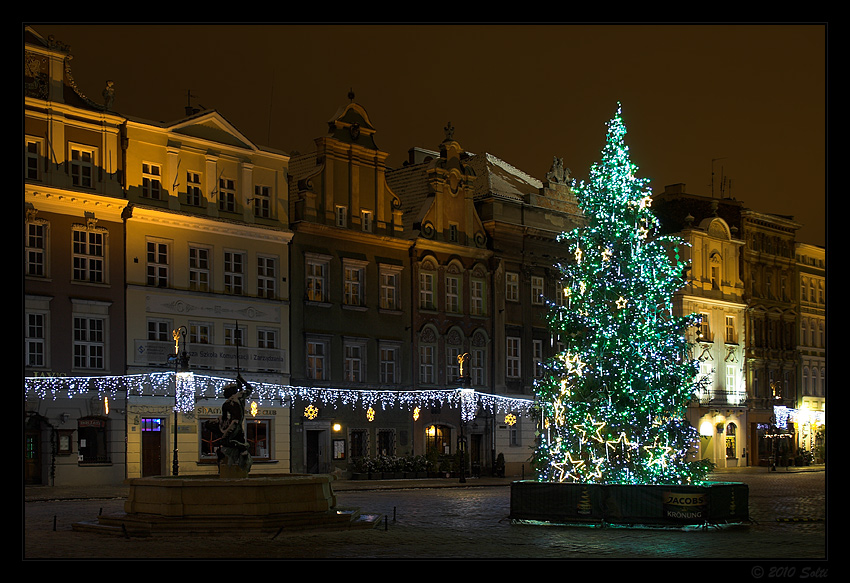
{"points": [[612, 403]]}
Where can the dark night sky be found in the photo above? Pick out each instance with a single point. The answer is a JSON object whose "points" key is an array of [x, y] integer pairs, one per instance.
{"points": [[751, 97]]}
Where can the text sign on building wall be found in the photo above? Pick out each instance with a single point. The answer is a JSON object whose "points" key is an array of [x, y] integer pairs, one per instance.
{"points": [[149, 352]]}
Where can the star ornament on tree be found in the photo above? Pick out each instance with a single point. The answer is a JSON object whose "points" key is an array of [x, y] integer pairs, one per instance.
{"points": [[590, 428], [658, 454], [568, 467]]}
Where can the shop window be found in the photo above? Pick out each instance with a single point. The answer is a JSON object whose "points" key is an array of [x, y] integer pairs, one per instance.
{"points": [[92, 440], [730, 441], [437, 439], [258, 434], [359, 440], [386, 442]]}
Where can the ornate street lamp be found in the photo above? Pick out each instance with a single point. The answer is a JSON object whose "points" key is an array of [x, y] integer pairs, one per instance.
{"points": [[181, 366]]}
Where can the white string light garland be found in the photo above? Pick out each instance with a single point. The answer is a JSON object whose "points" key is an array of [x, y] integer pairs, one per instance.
{"points": [[192, 388]]}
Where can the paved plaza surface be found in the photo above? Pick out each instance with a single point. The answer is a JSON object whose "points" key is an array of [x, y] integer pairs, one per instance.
{"points": [[444, 519]]}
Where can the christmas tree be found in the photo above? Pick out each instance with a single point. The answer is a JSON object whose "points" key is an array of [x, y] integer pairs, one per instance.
{"points": [[613, 399]]}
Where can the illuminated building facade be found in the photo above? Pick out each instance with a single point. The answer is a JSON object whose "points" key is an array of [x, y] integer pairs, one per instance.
{"points": [[771, 290], [350, 272], [451, 294], [207, 256], [522, 216], [73, 271], [811, 398], [714, 289]]}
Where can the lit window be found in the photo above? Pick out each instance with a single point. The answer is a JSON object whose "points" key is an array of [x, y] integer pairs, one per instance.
{"points": [[512, 286], [262, 202], [536, 290], [151, 181], [82, 166], [89, 253], [199, 269], [193, 189], [513, 357], [266, 276], [317, 274], [234, 272], [157, 264], [89, 343], [227, 194]]}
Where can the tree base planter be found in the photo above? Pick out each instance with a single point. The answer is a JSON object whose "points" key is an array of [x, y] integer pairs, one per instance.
{"points": [[713, 503], [210, 504]]}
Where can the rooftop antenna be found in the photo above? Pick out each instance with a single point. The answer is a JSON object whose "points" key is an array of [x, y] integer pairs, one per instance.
{"points": [[189, 109], [713, 160]]}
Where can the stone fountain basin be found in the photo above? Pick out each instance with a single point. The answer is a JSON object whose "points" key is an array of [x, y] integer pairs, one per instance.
{"points": [[261, 495]]}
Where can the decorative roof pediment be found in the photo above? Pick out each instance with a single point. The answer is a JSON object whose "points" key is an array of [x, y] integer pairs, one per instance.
{"points": [[716, 227], [351, 125], [212, 126]]}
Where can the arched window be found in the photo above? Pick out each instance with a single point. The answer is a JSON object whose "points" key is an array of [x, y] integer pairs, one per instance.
{"points": [[731, 444]]}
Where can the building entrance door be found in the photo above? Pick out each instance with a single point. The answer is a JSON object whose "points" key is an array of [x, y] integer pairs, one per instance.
{"points": [[314, 455], [152, 446], [32, 453]]}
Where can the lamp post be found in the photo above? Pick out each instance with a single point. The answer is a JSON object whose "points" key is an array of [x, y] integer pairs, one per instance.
{"points": [[461, 442], [181, 363]]}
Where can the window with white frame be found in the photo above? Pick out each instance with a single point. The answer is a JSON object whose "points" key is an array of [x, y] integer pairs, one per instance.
{"points": [[426, 364], [159, 330], [390, 280], [366, 221], [512, 357], [82, 166], [234, 336], [354, 353], [267, 338], [157, 263], [200, 333], [537, 348], [453, 294], [32, 165], [194, 193], [478, 368], [476, 297], [317, 278], [704, 327], [452, 365], [560, 296], [89, 254], [389, 363], [266, 276], [262, 202], [151, 181], [36, 339], [89, 342], [226, 194], [199, 269], [536, 290], [731, 385], [36, 248], [317, 354], [341, 214], [234, 272], [426, 290], [512, 286], [354, 279]]}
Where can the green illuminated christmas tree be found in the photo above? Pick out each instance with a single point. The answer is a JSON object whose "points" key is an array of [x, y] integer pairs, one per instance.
{"points": [[613, 400]]}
